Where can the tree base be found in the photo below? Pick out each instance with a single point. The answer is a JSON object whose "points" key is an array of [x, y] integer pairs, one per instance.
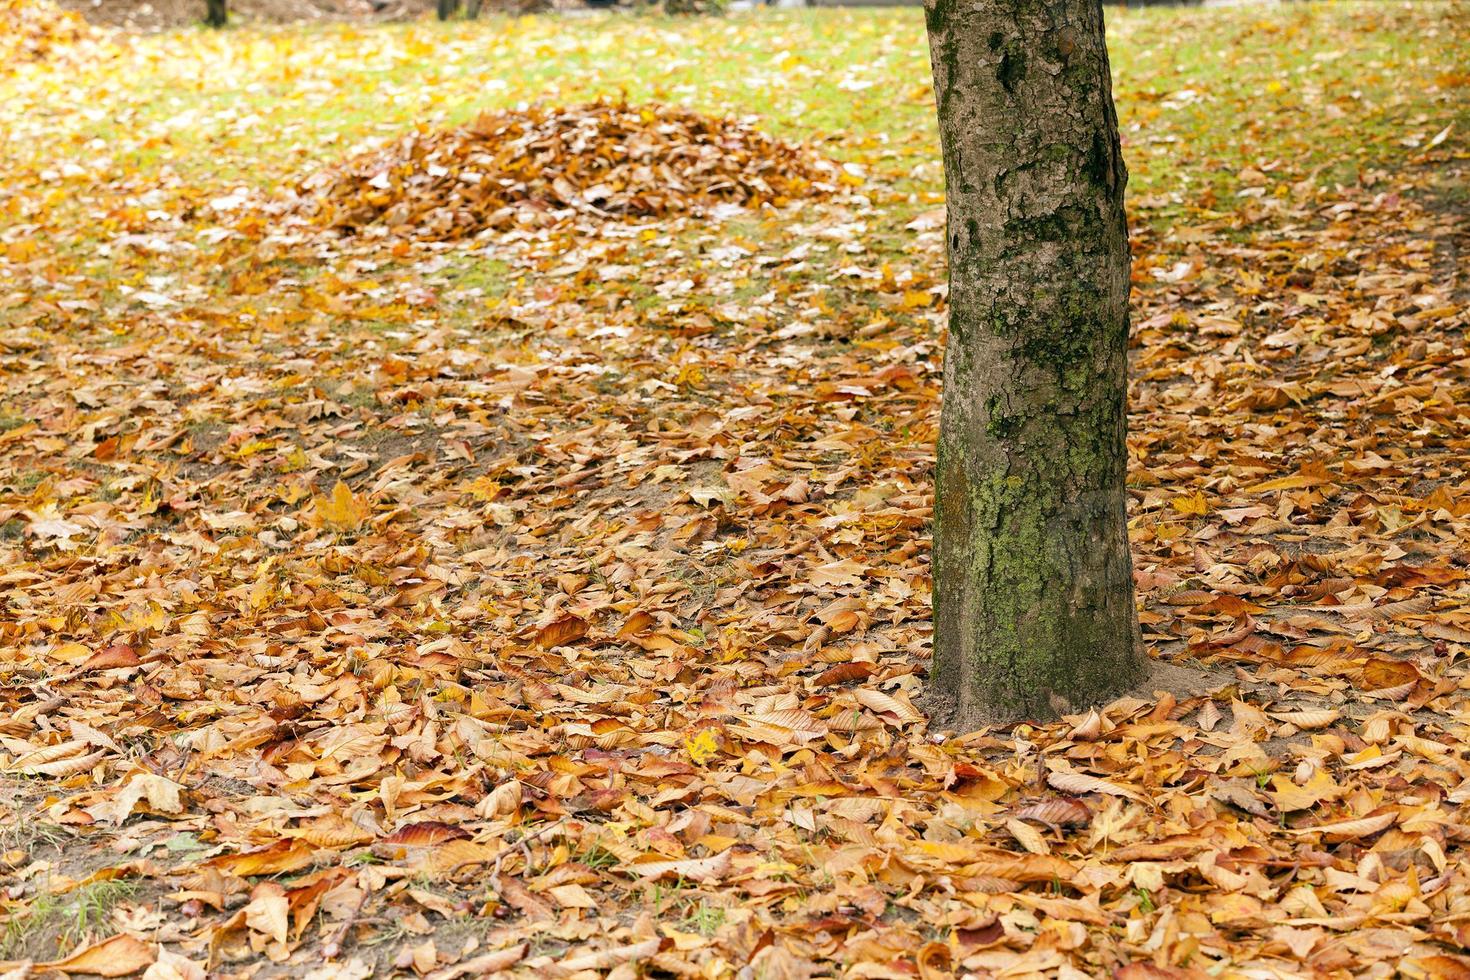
{"points": [[1182, 679]]}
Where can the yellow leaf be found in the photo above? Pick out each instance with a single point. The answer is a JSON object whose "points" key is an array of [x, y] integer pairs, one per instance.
{"points": [[1289, 796], [343, 511], [1309, 476], [71, 653], [254, 446], [702, 747], [294, 461], [263, 590], [1194, 503]]}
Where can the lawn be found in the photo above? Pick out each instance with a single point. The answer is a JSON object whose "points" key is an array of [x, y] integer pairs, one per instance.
{"points": [[556, 600]]}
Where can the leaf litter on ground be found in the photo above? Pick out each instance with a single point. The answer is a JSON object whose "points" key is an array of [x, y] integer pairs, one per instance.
{"points": [[556, 603]]}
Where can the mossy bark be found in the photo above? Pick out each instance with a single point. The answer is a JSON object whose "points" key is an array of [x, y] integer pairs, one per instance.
{"points": [[1033, 585]]}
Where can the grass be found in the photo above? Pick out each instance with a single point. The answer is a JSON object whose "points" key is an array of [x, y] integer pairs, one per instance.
{"points": [[63, 921], [32, 836], [1323, 90], [703, 918], [1217, 88]]}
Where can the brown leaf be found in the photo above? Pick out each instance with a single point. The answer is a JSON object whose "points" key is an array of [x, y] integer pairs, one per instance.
{"points": [[118, 956], [1237, 794], [1062, 811], [281, 857], [333, 831], [1076, 782], [1027, 836], [1144, 970], [58, 761], [1307, 720], [561, 632], [993, 862], [521, 898], [117, 655], [1380, 674], [894, 705], [606, 959], [269, 912], [695, 869], [482, 965], [425, 834], [841, 673], [1341, 830]]}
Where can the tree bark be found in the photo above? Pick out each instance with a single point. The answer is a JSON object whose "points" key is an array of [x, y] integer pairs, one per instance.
{"points": [[1033, 584], [216, 13]]}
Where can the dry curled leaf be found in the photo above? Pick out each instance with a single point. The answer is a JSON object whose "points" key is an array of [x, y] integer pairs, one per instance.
{"points": [[118, 956], [425, 833], [1349, 829], [565, 630], [842, 673], [1076, 782], [708, 869], [606, 959], [1062, 811]]}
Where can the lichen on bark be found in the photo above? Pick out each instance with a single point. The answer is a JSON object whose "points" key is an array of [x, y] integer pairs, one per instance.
{"points": [[1033, 592]]}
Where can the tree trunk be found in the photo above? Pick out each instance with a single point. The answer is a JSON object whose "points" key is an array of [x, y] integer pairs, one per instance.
{"points": [[216, 13], [1033, 583]]}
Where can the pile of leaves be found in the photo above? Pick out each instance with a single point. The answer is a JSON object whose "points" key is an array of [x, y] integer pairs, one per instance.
{"points": [[601, 158], [31, 29]]}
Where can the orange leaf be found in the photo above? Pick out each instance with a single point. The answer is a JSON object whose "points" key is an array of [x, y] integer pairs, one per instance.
{"points": [[637, 623], [562, 631], [856, 671], [115, 957], [1308, 477], [342, 511], [279, 858], [117, 655], [1380, 673], [424, 834]]}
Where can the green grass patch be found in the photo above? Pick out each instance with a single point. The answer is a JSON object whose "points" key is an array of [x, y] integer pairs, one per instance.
{"points": [[56, 923], [1208, 91]]}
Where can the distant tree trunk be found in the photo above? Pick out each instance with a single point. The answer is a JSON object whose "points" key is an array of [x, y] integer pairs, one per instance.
{"points": [[447, 8], [216, 13], [1033, 588], [694, 7]]}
